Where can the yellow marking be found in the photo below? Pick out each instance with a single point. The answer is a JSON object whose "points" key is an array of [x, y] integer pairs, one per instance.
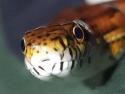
{"points": [[115, 35], [29, 52], [56, 44], [65, 41], [118, 48]]}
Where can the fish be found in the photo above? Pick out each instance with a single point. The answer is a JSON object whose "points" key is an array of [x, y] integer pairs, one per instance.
{"points": [[80, 42]]}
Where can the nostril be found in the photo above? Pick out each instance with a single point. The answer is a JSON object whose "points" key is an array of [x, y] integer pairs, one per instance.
{"points": [[22, 45]]}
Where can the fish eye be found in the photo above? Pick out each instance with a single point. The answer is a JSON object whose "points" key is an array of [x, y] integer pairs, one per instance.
{"points": [[78, 32], [22, 45]]}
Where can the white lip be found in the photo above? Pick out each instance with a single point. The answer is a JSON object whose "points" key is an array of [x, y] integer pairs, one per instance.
{"points": [[33, 69], [43, 74], [45, 66]]}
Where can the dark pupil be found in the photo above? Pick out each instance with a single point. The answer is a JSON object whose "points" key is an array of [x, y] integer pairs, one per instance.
{"points": [[22, 45], [78, 33]]}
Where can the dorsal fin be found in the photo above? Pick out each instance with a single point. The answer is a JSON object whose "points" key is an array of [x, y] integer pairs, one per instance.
{"points": [[91, 2]]}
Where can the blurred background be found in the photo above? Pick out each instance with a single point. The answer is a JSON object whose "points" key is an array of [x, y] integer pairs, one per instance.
{"points": [[18, 16]]}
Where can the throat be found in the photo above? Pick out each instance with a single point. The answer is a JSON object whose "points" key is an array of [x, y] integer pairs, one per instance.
{"points": [[96, 61]]}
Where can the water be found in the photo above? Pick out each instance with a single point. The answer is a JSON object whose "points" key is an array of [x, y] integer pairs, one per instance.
{"points": [[19, 16]]}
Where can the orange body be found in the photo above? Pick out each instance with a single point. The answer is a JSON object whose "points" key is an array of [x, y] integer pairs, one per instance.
{"points": [[90, 35], [107, 21]]}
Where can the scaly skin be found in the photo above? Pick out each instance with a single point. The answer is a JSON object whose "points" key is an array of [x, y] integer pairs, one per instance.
{"points": [[56, 50]]}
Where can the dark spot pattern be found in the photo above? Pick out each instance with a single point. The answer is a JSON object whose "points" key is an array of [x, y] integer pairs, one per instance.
{"points": [[55, 38], [29, 44], [55, 49], [44, 43], [39, 43], [39, 37], [44, 39], [32, 34], [47, 52], [37, 51], [48, 35]]}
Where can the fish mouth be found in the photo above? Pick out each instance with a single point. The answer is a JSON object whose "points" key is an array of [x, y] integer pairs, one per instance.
{"points": [[47, 70], [37, 71]]}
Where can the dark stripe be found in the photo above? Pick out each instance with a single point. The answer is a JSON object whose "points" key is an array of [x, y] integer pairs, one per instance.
{"points": [[89, 59], [39, 37], [26, 50], [55, 38], [70, 52], [79, 50], [73, 63], [41, 67], [53, 66], [71, 38], [76, 53], [62, 43], [55, 49], [45, 60], [62, 55], [61, 66], [36, 71]]}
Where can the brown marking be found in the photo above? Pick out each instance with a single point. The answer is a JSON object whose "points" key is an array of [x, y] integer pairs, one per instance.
{"points": [[44, 43], [32, 34], [55, 38], [39, 43], [37, 51], [44, 39], [47, 35], [55, 49], [39, 37], [102, 19], [29, 44], [47, 52]]}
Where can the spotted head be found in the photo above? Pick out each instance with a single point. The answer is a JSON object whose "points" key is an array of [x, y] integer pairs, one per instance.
{"points": [[54, 51]]}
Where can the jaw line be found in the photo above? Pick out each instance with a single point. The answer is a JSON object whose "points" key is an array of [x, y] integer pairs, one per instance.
{"points": [[51, 76], [60, 75], [28, 63]]}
